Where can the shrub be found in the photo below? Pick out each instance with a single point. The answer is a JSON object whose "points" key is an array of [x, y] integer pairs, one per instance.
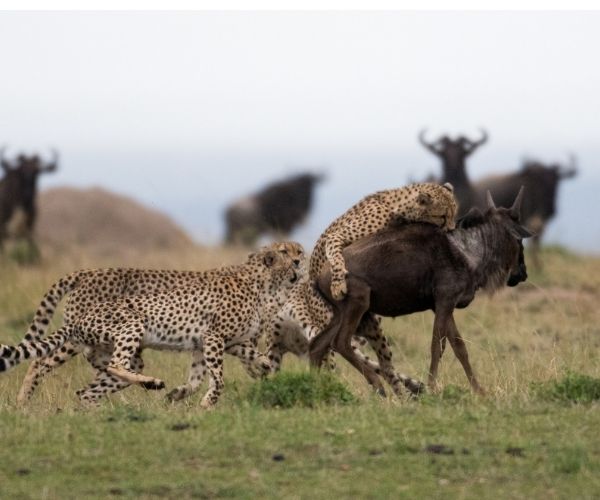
{"points": [[310, 389], [573, 387]]}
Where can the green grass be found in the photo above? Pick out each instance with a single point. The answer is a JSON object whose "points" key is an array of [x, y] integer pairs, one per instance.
{"points": [[288, 389], [303, 435]]}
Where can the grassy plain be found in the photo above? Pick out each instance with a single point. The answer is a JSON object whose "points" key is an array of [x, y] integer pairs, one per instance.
{"points": [[526, 439]]}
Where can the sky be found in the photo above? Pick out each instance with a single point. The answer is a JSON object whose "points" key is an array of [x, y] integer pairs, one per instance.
{"points": [[186, 111]]}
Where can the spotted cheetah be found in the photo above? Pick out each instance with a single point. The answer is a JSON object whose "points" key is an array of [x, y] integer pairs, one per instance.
{"points": [[425, 202], [90, 287], [205, 317]]}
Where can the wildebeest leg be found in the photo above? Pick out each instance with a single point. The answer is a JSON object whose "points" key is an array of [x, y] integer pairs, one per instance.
{"points": [[321, 343], [438, 342], [351, 311], [460, 350]]}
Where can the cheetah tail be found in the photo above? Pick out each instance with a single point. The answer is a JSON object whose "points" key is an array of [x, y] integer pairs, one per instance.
{"points": [[45, 311], [11, 356]]}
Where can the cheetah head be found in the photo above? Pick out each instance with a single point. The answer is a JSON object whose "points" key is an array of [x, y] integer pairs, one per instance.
{"points": [[436, 204]]}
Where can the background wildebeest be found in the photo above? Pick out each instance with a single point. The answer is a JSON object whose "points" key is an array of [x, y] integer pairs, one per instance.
{"points": [[277, 209], [417, 267], [540, 181], [18, 189], [453, 154]]}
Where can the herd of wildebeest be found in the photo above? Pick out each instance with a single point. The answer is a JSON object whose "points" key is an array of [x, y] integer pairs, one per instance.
{"points": [[395, 252]]}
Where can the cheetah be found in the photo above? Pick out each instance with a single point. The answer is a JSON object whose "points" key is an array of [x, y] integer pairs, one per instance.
{"points": [[426, 202], [205, 317], [87, 288]]}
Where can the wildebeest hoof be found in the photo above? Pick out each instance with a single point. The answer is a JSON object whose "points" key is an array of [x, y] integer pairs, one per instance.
{"points": [[153, 385]]}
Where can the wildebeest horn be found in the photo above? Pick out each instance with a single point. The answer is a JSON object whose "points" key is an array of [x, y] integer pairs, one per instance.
{"points": [[570, 170], [53, 163], [5, 163], [489, 200], [484, 137], [516, 207], [422, 139]]}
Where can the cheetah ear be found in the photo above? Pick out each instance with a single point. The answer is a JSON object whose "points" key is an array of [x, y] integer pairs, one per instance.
{"points": [[269, 259], [424, 199]]}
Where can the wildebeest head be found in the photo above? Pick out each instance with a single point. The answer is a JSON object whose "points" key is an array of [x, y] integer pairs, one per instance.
{"points": [[24, 171], [453, 151], [507, 233], [544, 179]]}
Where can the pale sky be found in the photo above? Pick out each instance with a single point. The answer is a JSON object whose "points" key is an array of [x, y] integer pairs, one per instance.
{"points": [[186, 111]]}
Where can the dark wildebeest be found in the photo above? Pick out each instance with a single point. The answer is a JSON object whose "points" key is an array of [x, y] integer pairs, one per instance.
{"points": [[417, 267], [276, 209], [18, 190], [453, 154], [540, 181]]}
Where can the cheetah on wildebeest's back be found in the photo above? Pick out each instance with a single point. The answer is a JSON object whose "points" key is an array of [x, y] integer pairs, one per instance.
{"points": [[426, 202]]}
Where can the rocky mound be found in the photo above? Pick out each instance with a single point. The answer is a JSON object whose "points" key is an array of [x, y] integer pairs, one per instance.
{"points": [[103, 223]]}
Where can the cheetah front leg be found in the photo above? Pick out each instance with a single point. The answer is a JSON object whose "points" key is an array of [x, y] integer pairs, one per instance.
{"points": [[257, 365], [214, 349], [104, 383], [195, 377], [370, 329], [127, 343], [333, 251]]}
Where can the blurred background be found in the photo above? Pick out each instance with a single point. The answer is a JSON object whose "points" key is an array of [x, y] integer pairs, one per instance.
{"points": [[186, 112]]}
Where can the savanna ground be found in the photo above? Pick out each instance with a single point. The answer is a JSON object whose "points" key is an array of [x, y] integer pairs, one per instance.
{"points": [[535, 435]]}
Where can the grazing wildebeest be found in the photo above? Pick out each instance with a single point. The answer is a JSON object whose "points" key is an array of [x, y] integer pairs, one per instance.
{"points": [[276, 209], [453, 154], [416, 267], [18, 190]]}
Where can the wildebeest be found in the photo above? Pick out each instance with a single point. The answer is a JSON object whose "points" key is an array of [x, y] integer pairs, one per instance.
{"points": [[453, 154], [18, 189], [277, 209], [416, 267], [540, 181]]}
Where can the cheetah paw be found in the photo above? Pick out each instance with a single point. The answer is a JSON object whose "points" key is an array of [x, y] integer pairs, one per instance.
{"points": [[339, 288], [176, 394], [153, 385]]}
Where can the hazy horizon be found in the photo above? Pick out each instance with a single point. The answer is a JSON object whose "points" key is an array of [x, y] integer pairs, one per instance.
{"points": [[187, 111]]}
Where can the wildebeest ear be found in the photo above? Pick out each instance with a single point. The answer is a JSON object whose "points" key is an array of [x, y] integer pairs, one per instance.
{"points": [[472, 218], [269, 258], [520, 232], [424, 199]]}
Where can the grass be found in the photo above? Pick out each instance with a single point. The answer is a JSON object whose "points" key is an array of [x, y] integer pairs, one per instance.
{"points": [[300, 435]]}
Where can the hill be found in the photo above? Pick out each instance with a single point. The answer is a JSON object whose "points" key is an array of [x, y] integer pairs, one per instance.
{"points": [[104, 223]]}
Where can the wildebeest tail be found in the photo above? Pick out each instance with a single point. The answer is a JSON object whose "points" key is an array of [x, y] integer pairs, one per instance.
{"points": [[11, 356], [45, 311]]}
